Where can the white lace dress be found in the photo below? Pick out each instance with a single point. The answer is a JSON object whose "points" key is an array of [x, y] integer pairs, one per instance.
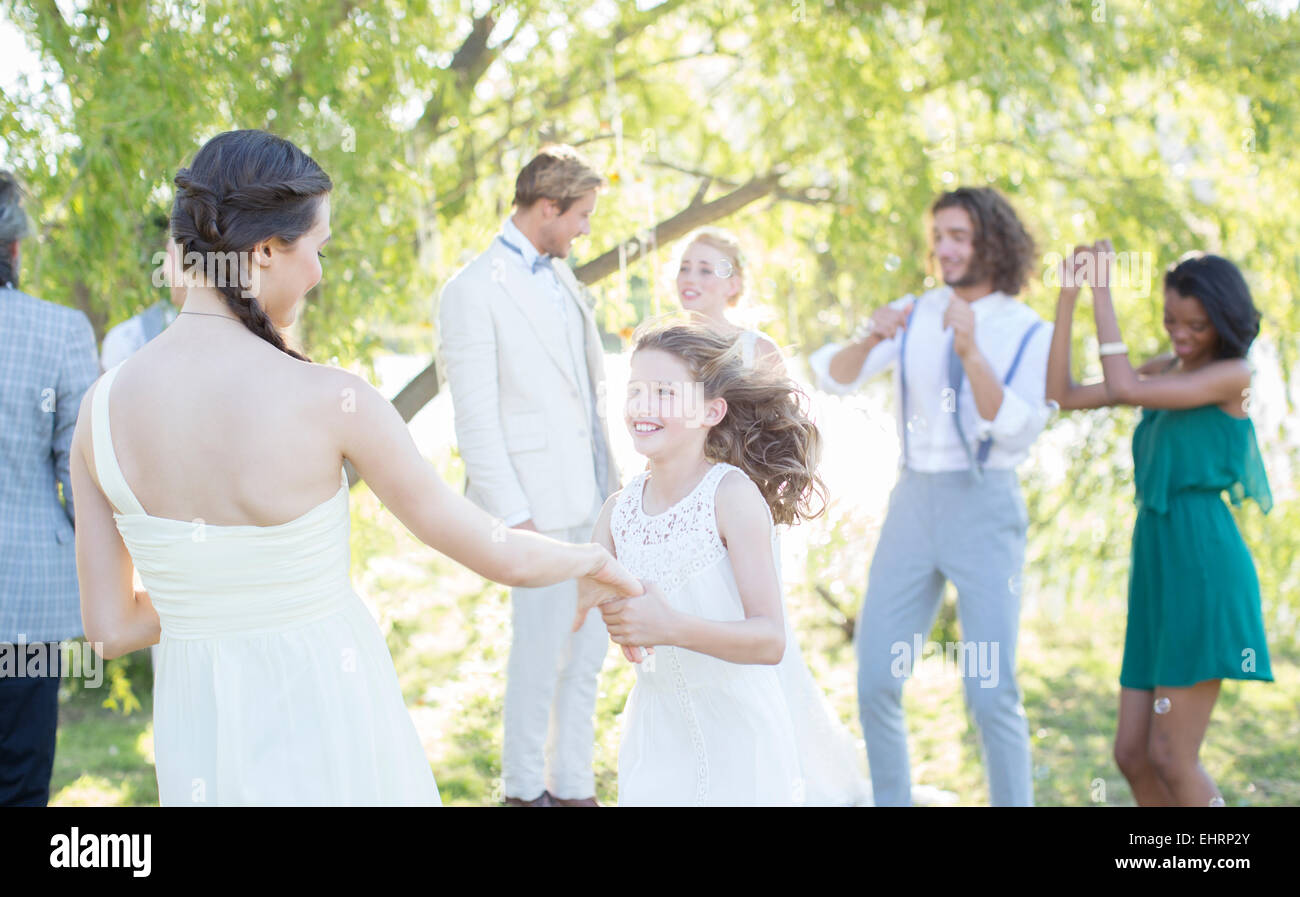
{"points": [[698, 730]]}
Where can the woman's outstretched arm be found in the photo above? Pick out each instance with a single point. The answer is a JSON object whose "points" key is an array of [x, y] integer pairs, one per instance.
{"points": [[1061, 387], [373, 436], [1217, 383]]}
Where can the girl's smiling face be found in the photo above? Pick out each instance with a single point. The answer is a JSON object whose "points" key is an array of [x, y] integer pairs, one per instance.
{"points": [[666, 409]]}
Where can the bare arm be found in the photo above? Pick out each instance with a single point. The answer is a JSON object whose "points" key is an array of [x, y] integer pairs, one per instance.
{"points": [[770, 353], [1217, 383], [745, 527], [115, 618], [1061, 386], [375, 439]]}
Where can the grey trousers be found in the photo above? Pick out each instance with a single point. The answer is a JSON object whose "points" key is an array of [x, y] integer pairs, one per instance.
{"points": [[946, 526]]}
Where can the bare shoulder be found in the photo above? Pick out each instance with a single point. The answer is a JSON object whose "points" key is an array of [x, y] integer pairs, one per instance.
{"points": [[607, 509], [347, 404], [601, 531], [336, 386], [739, 505], [1159, 366]]}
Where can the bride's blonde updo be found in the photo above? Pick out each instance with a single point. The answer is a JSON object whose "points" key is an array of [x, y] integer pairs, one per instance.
{"points": [[766, 432], [725, 242]]}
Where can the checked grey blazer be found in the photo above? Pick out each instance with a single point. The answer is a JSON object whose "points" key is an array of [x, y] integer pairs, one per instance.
{"points": [[47, 361]]}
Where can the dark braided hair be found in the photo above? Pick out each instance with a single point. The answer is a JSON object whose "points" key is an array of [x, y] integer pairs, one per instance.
{"points": [[242, 188], [766, 431]]}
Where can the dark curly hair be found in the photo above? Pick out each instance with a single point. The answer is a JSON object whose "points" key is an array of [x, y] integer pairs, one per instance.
{"points": [[766, 431], [1003, 248], [244, 187], [1218, 285]]}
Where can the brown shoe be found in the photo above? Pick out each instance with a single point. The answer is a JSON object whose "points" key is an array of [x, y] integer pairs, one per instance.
{"points": [[542, 800], [574, 801]]}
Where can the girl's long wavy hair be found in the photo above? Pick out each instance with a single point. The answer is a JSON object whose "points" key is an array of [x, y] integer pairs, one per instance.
{"points": [[766, 431]]}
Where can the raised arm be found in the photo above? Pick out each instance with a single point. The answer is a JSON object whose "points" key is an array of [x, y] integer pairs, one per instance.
{"points": [[746, 530], [1061, 387], [373, 436], [1216, 383], [116, 619]]}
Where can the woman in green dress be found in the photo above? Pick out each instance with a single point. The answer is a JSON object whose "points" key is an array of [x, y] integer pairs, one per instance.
{"points": [[1194, 615]]}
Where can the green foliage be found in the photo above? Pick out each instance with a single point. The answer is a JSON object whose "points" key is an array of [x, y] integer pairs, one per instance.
{"points": [[1166, 127]]}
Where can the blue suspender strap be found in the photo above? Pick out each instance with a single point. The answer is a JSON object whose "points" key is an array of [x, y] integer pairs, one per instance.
{"points": [[902, 383], [987, 443]]}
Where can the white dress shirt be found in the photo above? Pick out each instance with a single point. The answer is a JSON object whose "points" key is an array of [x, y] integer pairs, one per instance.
{"points": [[547, 284], [932, 442]]}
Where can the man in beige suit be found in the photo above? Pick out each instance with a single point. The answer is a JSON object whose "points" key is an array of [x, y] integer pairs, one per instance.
{"points": [[522, 357]]}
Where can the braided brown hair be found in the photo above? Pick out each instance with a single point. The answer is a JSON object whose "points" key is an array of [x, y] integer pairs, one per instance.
{"points": [[766, 431], [242, 188]]}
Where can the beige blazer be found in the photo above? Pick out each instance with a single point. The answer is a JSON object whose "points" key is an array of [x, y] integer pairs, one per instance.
{"points": [[523, 428]]}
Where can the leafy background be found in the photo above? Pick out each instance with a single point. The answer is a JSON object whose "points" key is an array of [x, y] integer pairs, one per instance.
{"points": [[818, 132]]}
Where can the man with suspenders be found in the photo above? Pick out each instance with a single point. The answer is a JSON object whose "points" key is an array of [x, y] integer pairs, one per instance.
{"points": [[970, 365]]}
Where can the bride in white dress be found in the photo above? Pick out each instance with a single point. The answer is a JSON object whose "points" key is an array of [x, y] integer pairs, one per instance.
{"points": [[212, 461], [724, 712]]}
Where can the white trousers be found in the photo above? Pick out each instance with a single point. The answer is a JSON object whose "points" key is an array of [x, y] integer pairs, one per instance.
{"points": [[551, 682]]}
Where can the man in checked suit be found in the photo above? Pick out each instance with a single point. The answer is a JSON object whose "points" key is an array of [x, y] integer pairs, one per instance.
{"points": [[47, 361], [523, 359]]}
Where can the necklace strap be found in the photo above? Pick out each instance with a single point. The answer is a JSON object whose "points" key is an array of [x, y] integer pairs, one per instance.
{"points": [[210, 315]]}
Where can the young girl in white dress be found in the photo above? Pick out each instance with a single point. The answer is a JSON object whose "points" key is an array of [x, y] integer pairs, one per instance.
{"points": [[711, 272], [715, 715]]}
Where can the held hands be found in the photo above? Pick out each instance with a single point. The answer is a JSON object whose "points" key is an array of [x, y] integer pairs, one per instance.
{"points": [[1090, 265], [605, 580], [640, 621], [1074, 271]]}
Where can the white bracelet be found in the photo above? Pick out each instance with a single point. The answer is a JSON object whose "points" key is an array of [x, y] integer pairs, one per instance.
{"points": [[1112, 349]]}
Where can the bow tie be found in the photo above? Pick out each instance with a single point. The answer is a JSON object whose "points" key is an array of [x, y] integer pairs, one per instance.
{"points": [[541, 263]]}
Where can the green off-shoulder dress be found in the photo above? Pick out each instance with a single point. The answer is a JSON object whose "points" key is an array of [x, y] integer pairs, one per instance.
{"points": [[1193, 598]]}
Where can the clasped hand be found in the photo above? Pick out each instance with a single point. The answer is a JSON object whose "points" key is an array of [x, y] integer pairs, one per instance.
{"points": [[640, 621], [1087, 265]]}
